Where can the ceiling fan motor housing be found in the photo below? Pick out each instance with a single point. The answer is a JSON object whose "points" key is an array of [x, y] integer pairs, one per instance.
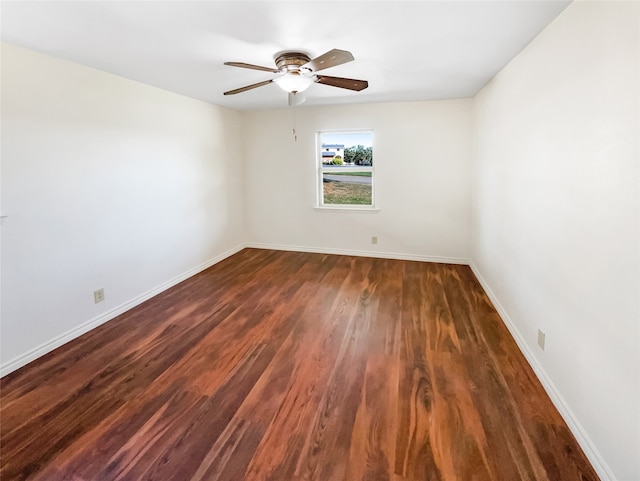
{"points": [[291, 61]]}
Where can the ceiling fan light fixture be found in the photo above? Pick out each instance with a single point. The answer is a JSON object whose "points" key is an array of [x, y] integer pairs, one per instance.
{"points": [[293, 82]]}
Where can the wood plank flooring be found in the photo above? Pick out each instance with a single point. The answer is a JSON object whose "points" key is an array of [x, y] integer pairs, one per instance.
{"points": [[286, 366]]}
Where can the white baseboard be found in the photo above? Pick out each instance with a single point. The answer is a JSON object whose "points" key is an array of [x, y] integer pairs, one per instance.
{"points": [[592, 453], [44, 348], [347, 252]]}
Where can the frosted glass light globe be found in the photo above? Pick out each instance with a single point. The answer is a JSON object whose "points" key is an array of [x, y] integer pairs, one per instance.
{"points": [[293, 82]]}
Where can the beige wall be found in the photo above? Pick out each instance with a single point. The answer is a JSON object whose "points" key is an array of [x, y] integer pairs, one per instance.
{"points": [[422, 174], [107, 183], [555, 219]]}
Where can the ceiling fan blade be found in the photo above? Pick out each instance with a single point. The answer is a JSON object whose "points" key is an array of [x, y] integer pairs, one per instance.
{"points": [[248, 87], [296, 99], [330, 59], [251, 66], [343, 83]]}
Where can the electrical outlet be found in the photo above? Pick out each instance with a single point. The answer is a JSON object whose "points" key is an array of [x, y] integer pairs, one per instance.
{"points": [[541, 339], [98, 296], [374, 239]]}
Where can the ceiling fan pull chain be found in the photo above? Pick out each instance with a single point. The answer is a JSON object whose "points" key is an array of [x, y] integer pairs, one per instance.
{"points": [[295, 135]]}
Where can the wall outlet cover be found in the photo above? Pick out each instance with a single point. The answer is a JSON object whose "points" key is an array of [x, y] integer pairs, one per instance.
{"points": [[98, 296]]}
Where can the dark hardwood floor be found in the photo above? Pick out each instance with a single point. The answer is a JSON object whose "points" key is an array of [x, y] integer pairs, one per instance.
{"points": [[288, 366]]}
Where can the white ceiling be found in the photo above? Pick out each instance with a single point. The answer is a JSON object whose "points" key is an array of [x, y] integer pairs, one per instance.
{"points": [[417, 50]]}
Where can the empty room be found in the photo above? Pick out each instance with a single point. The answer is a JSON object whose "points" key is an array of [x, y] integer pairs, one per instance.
{"points": [[320, 240]]}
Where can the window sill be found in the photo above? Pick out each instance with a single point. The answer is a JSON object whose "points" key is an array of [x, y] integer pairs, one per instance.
{"points": [[349, 208]]}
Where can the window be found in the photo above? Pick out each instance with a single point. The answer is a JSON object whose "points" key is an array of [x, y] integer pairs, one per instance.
{"points": [[345, 169]]}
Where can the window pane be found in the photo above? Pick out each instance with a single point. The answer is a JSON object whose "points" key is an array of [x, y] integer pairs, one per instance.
{"points": [[345, 168], [347, 188], [350, 149]]}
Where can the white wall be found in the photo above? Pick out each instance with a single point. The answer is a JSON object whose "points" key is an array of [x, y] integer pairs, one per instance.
{"points": [[422, 162], [556, 213], [106, 183]]}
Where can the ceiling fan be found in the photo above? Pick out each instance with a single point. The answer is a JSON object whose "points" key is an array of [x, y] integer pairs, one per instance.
{"points": [[296, 72]]}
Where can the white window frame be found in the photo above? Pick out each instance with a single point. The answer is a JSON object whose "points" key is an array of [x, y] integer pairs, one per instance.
{"points": [[325, 169]]}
